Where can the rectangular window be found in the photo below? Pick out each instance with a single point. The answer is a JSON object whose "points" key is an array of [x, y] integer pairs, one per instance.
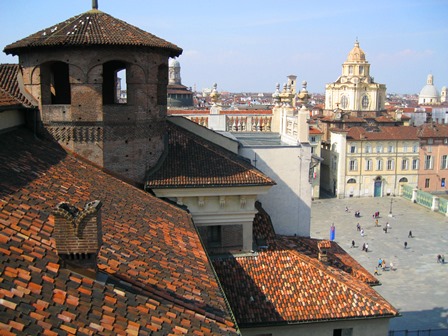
{"points": [[390, 149], [214, 235], [444, 164], [379, 164], [427, 183], [415, 149], [430, 141], [353, 165], [352, 149], [442, 182], [343, 332], [405, 164], [379, 149], [368, 149], [415, 164], [390, 164], [428, 162], [313, 139], [405, 148], [369, 165]]}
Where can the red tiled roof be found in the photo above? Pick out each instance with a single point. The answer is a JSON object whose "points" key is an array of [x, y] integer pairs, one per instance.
{"points": [[161, 279], [384, 133], [433, 130], [285, 283], [10, 92], [314, 130], [92, 28], [192, 161]]}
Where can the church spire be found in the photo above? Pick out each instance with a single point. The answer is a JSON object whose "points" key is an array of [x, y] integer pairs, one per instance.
{"points": [[94, 4]]}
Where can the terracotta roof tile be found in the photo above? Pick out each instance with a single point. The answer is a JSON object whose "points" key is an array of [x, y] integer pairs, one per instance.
{"points": [[10, 92], [383, 133], [433, 130], [285, 283], [92, 28], [191, 161], [156, 278]]}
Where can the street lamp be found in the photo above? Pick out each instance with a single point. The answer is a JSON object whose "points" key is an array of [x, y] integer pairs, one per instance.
{"points": [[390, 210]]}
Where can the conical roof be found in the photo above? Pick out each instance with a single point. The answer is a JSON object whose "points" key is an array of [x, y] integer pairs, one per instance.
{"points": [[92, 28]]}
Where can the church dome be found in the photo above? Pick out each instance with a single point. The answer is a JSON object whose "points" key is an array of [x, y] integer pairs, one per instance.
{"points": [[429, 91], [174, 63], [356, 54]]}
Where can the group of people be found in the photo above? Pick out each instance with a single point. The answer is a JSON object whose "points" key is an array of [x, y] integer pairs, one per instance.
{"points": [[441, 259]]}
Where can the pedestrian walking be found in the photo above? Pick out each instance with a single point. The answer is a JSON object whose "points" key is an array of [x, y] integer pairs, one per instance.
{"points": [[405, 244], [358, 227], [410, 234], [439, 258], [364, 246], [353, 243], [362, 232], [367, 247], [380, 261]]}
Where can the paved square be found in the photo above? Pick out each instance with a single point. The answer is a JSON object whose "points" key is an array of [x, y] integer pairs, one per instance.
{"points": [[418, 287]]}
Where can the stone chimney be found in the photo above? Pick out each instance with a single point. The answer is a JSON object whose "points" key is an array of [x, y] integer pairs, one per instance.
{"points": [[78, 234], [323, 247]]}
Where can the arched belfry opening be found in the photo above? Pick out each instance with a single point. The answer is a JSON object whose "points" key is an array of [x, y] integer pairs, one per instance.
{"points": [[113, 73], [55, 83]]}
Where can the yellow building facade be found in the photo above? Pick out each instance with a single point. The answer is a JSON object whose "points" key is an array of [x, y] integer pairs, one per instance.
{"points": [[373, 163]]}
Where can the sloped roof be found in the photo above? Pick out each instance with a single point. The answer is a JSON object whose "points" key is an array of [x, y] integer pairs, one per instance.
{"points": [[10, 93], [193, 162], [286, 284], [383, 133], [433, 130], [151, 247], [92, 28]]}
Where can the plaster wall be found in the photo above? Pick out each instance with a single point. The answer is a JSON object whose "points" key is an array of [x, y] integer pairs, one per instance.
{"points": [[372, 327], [289, 201]]}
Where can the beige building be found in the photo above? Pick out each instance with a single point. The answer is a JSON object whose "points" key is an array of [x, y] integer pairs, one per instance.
{"points": [[355, 92], [433, 172], [373, 163]]}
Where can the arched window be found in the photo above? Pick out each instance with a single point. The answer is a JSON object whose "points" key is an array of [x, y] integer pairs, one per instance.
{"points": [[352, 180], [112, 71], [55, 83], [344, 102], [365, 102], [403, 180]]}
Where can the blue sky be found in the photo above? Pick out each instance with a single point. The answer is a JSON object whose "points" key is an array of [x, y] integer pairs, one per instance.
{"points": [[250, 45]]}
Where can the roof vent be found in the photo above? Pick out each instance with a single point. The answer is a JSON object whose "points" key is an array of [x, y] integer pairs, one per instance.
{"points": [[78, 234]]}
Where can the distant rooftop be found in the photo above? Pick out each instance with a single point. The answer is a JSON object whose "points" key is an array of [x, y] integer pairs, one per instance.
{"points": [[258, 139]]}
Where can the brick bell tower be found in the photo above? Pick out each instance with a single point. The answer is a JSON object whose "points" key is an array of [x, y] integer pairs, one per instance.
{"points": [[77, 70]]}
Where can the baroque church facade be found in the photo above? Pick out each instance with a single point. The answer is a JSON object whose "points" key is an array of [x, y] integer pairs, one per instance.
{"points": [[355, 92]]}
